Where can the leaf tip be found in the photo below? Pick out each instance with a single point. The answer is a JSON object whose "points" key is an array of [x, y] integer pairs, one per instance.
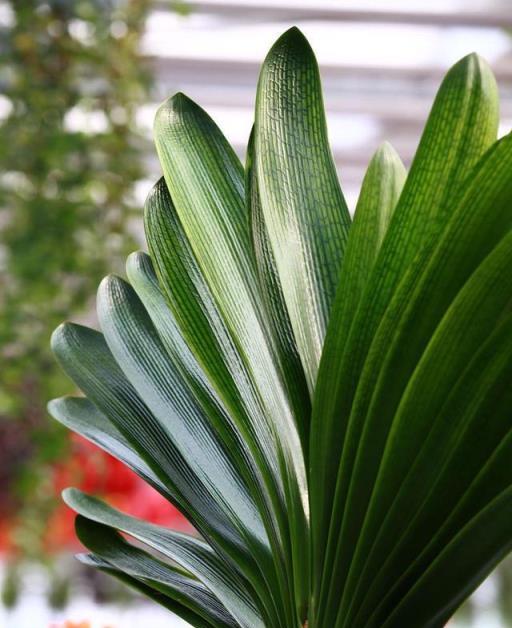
{"points": [[155, 194], [70, 496], [386, 154], [172, 110], [293, 36], [61, 336], [476, 69], [112, 289], [52, 406], [136, 261], [291, 46]]}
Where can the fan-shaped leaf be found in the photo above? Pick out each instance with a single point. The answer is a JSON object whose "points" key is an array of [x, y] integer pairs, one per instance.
{"points": [[257, 300]]}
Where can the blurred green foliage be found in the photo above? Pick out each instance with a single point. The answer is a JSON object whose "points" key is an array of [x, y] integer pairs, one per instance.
{"points": [[71, 80]]}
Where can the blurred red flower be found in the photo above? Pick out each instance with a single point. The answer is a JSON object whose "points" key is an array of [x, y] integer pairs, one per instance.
{"points": [[94, 471], [97, 472]]}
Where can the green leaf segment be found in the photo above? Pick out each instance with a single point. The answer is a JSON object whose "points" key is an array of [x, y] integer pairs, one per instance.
{"points": [[326, 400]]}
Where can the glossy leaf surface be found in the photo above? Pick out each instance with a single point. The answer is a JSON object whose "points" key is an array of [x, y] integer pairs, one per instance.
{"points": [[328, 401]]}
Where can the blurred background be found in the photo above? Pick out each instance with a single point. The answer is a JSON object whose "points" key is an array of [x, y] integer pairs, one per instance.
{"points": [[80, 81]]}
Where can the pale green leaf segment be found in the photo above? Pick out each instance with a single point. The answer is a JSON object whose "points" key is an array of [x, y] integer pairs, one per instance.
{"points": [[327, 402], [272, 294], [301, 199]]}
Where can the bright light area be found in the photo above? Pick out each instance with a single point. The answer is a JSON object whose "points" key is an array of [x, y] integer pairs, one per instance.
{"points": [[370, 45], [33, 612], [419, 6]]}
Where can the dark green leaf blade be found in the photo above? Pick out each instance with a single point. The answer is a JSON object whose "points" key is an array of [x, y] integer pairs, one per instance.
{"points": [[381, 188], [145, 283], [208, 337], [282, 335], [189, 592], [206, 183], [380, 191], [478, 222], [461, 567], [137, 348], [471, 318], [461, 126], [274, 301], [224, 278], [192, 554], [470, 426], [90, 560]]}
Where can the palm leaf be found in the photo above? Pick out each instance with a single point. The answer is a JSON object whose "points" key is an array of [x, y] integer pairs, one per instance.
{"points": [[327, 402]]}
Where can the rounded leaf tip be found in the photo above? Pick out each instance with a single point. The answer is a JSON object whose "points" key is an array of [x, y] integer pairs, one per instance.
{"points": [[171, 111]]}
